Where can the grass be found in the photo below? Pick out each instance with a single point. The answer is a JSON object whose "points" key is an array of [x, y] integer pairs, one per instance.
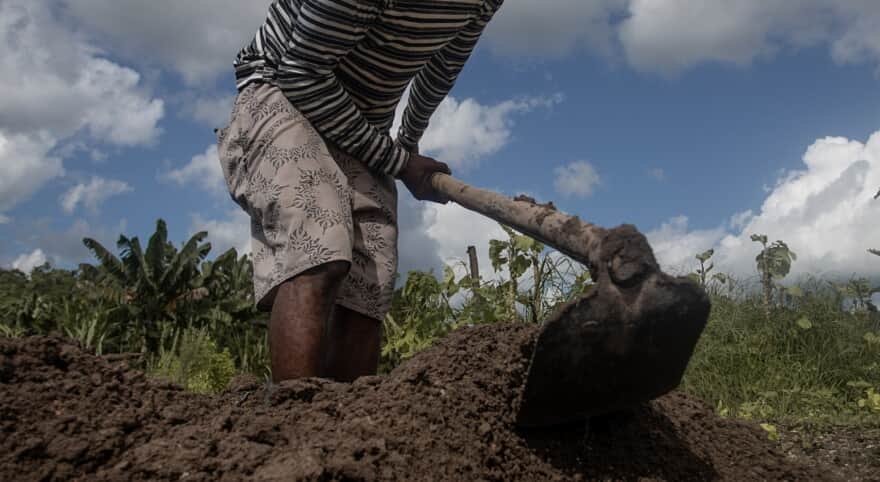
{"points": [[810, 364]]}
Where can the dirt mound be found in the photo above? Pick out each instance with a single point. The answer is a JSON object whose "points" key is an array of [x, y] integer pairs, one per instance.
{"points": [[447, 414]]}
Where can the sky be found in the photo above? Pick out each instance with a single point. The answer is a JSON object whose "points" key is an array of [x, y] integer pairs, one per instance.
{"points": [[699, 121]]}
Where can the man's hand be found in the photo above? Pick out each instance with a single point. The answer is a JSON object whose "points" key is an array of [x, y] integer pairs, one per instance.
{"points": [[417, 177]]}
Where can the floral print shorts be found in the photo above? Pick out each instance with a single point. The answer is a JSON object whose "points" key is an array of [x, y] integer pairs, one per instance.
{"points": [[309, 203]]}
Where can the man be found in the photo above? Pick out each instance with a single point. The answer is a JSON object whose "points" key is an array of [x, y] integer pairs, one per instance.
{"points": [[308, 155]]}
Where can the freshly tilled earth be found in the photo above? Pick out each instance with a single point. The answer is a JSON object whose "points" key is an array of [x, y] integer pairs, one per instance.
{"points": [[447, 414]]}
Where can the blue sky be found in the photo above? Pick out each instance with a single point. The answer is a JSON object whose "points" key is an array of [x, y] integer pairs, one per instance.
{"points": [[691, 119]]}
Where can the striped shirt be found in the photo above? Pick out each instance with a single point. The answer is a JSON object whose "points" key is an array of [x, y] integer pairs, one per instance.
{"points": [[345, 65]]}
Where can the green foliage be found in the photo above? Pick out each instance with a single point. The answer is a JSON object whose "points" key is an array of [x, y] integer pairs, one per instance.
{"points": [[157, 283], [712, 284], [195, 363], [421, 312], [27, 302], [772, 433], [532, 283], [871, 400], [81, 321], [775, 259], [129, 302], [774, 263], [810, 363], [11, 331], [859, 292]]}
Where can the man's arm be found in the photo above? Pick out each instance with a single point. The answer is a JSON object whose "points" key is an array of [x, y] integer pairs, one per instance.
{"points": [[435, 80], [325, 32]]}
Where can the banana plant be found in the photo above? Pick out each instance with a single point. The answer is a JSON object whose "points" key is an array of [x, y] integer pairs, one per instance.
{"points": [[224, 301], [156, 282]]}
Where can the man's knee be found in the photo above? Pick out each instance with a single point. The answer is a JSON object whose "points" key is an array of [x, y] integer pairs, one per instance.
{"points": [[332, 273], [321, 280]]}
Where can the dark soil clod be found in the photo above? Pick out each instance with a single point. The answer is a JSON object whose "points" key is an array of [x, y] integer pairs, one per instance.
{"points": [[445, 415]]}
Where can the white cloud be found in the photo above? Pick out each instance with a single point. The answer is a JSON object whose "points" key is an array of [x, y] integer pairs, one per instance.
{"points": [[92, 194], [434, 235], [825, 212], [416, 249], [199, 38], [27, 262], [739, 220], [858, 40], [27, 165], [552, 28], [454, 228], [196, 38], [675, 246], [577, 179], [123, 116], [232, 232], [203, 170], [4, 219], [62, 86], [462, 133], [668, 36]]}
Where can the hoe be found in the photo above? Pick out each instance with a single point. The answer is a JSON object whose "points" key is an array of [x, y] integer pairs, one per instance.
{"points": [[626, 341]]}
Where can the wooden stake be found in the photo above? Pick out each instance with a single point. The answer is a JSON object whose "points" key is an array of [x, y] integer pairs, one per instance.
{"points": [[475, 266]]}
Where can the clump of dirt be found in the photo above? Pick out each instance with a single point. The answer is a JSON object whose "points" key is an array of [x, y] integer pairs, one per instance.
{"points": [[446, 414]]}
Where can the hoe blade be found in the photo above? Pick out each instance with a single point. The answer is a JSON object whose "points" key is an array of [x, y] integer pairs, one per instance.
{"points": [[613, 348]]}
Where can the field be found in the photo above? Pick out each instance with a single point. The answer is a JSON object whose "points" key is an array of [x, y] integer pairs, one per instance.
{"points": [[445, 414], [152, 366]]}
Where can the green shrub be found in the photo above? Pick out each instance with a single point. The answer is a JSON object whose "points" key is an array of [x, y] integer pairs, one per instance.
{"points": [[809, 364], [195, 363], [871, 400]]}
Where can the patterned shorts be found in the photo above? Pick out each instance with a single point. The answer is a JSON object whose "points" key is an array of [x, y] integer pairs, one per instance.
{"points": [[309, 203]]}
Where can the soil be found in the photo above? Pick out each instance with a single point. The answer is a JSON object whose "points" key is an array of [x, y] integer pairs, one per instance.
{"points": [[447, 414], [850, 452]]}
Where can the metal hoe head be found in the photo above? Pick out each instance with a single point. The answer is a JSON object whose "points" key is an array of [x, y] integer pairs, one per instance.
{"points": [[625, 342]]}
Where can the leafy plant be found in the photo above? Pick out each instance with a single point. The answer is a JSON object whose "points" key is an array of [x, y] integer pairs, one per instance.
{"points": [[702, 274], [426, 308], [871, 400], [772, 432], [859, 292], [774, 263], [195, 363], [421, 313], [156, 282], [87, 324], [550, 277]]}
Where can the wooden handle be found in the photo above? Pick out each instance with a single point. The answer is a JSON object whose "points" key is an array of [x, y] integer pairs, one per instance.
{"points": [[566, 233]]}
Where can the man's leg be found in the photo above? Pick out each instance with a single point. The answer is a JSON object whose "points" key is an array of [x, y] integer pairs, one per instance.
{"points": [[301, 309], [353, 344]]}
